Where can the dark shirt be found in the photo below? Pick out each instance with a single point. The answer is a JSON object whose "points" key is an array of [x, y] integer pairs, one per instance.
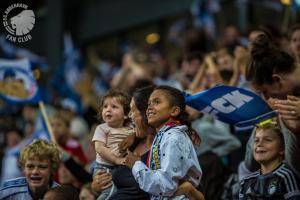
{"points": [[127, 187], [281, 183]]}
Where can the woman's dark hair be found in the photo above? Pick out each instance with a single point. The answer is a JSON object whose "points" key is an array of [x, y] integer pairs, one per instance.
{"points": [[176, 98], [64, 192], [141, 97], [266, 59]]}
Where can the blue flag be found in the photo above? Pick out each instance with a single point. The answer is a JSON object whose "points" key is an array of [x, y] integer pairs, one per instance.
{"points": [[231, 105], [69, 72], [17, 83], [41, 130], [72, 62]]}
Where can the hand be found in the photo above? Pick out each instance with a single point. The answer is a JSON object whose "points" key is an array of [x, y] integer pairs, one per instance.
{"points": [[120, 161], [127, 142], [101, 181], [209, 59], [240, 53], [271, 103], [131, 158], [127, 61], [187, 189], [289, 112]]}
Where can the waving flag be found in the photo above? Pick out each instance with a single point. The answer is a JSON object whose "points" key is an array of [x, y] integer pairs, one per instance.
{"points": [[232, 105], [41, 130], [17, 83], [72, 63], [69, 72]]}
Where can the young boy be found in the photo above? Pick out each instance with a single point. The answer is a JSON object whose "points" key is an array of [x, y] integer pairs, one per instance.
{"points": [[275, 179]]}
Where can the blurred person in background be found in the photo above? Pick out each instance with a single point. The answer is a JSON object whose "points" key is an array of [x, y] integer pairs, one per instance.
{"points": [[89, 96], [135, 66], [294, 39], [79, 128], [190, 65], [60, 126], [230, 38], [217, 143], [28, 120], [10, 168]]}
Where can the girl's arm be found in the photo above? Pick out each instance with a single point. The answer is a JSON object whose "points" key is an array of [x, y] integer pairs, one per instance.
{"points": [[178, 160], [106, 153]]}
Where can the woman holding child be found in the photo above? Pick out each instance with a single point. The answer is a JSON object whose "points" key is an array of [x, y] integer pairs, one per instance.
{"points": [[127, 186]]}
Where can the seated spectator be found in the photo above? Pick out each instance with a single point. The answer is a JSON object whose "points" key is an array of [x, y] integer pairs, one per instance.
{"points": [[60, 126], [10, 167]]}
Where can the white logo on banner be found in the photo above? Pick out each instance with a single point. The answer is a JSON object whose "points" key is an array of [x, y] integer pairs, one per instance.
{"points": [[20, 24]]}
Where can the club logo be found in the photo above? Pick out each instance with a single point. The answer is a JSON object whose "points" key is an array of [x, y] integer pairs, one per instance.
{"points": [[18, 21]]}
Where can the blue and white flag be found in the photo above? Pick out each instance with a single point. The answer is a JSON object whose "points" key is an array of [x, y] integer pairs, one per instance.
{"points": [[17, 83], [231, 105], [41, 130], [69, 72], [72, 62]]}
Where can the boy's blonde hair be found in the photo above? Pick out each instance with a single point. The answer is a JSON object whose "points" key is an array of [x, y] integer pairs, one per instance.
{"points": [[41, 149], [272, 126]]}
